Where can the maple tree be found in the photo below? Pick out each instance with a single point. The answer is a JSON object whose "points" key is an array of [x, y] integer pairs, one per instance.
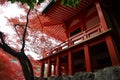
{"points": [[7, 72], [24, 33], [31, 3], [21, 30], [36, 66], [20, 55]]}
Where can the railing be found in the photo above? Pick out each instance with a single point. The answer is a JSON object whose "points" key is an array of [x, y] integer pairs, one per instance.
{"points": [[78, 38]]}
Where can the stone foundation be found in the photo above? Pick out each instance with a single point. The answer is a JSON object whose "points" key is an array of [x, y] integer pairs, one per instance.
{"points": [[109, 73]]}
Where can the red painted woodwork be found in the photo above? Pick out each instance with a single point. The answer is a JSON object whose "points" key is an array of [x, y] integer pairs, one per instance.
{"points": [[42, 69], [56, 20], [58, 64], [70, 63], [54, 70], [101, 16], [112, 51], [80, 37], [49, 68], [87, 59], [94, 30], [60, 21]]}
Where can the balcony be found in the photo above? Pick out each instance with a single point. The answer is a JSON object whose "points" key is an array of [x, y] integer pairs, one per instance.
{"points": [[78, 38]]}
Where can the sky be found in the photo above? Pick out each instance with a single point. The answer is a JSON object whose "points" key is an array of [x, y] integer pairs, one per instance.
{"points": [[11, 11]]}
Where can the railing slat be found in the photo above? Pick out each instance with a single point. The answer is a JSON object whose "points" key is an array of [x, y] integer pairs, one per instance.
{"points": [[78, 37]]}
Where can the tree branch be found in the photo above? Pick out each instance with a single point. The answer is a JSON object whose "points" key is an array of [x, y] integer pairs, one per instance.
{"points": [[24, 33], [5, 47], [17, 33]]}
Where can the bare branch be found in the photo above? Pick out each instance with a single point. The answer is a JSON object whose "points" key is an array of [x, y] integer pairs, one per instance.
{"points": [[5, 47], [24, 33], [17, 33]]}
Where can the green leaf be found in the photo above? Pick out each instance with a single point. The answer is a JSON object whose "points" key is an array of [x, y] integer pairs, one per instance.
{"points": [[34, 1], [12, 1], [40, 1], [70, 2], [23, 1], [30, 4], [55, 0], [64, 2]]}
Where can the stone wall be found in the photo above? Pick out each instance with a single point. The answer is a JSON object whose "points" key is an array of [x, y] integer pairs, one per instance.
{"points": [[109, 73]]}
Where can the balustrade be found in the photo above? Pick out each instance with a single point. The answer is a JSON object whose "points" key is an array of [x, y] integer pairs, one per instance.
{"points": [[80, 37]]}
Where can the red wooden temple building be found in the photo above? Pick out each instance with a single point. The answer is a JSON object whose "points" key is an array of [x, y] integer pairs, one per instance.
{"points": [[90, 35]]}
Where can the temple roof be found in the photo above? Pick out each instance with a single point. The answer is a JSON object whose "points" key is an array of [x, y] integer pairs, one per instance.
{"points": [[58, 16]]}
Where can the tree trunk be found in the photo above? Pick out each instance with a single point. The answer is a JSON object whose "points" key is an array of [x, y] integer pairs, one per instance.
{"points": [[26, 66], [24, 61]]}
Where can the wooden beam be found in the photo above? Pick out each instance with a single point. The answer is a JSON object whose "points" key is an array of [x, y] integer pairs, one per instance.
{"points": [[70, 63], [58, 66], [112, 51], [42, 69], [87, 58], [49, 68], [101, 15]]}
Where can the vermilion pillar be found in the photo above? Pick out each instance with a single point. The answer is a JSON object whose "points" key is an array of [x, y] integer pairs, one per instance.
{"points": [[112, 51], [65, 71], [101, 16], [87, 58], [70, 63], [58, 73], [54, 72], [49, 68], [42, 69]]}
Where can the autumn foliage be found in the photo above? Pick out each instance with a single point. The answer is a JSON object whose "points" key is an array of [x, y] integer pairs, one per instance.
{"points": [[9, 70]]}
